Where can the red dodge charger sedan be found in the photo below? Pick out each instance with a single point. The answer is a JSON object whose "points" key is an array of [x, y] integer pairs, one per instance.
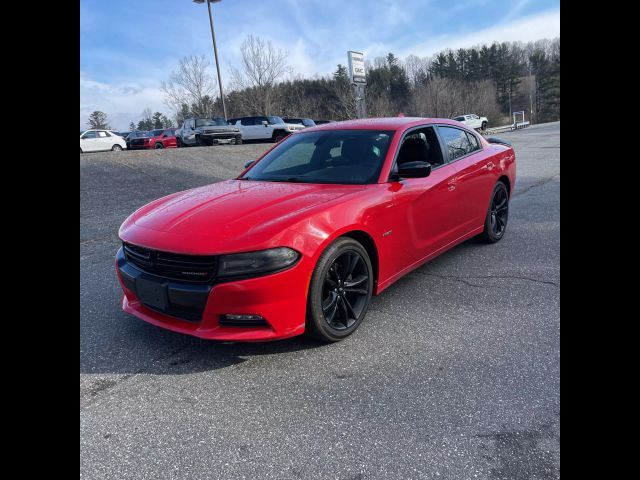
{"points": [[305, 235]]}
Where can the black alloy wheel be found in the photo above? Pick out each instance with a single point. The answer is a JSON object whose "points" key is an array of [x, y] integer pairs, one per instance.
{"points": [[496, 221], [341, 289]]}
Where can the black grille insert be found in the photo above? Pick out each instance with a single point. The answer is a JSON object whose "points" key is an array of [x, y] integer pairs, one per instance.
{"points": [[190, 268]]}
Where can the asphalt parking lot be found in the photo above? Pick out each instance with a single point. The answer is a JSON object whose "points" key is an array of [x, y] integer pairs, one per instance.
{"points": [[454, 374]]}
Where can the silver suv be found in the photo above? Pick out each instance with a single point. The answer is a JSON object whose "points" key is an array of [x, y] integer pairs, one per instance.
{"points": [[207, 131]]}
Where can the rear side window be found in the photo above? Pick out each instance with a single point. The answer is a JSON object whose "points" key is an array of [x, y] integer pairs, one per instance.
{"points": [[89, 135], [475, 145], [456, 142], [103, 134]]}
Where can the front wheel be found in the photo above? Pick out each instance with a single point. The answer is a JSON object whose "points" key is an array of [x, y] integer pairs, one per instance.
{"points": [[483, 127], [340, 291], [116, 148], [238, 140], [495, 223], [201, 141], [179, 143], [159, 145]]}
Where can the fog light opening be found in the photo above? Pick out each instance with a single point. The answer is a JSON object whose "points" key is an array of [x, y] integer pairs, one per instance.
{"points": [[242, 320]]}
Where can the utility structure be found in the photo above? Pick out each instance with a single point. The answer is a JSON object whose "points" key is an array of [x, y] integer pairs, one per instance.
{"points": [[215, 51], [358, 78]]}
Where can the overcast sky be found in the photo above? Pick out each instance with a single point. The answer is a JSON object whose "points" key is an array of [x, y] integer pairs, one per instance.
{"points": [[128, 47]]}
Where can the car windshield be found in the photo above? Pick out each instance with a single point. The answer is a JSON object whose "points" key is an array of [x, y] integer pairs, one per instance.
{"points": [[275, 120], [335, 156], [459, 119], [220, 121], [155, 133], [81, 132], [308, 122], [205, 122]]}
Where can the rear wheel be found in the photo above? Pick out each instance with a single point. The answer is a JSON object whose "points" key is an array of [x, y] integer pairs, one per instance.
{"points": [[159, 145], [340, 291], [278, 136], [116, 148], [484, 126], [495, 223], [179, 142]]}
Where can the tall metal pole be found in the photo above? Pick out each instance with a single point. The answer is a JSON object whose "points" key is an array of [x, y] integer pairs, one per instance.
{"points": [[531, 85], [215, 52]]}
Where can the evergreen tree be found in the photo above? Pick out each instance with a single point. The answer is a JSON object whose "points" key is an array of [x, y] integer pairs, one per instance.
{"points": [[98, 120]]}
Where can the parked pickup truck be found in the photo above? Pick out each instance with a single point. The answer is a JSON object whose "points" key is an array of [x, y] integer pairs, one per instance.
{"points": [[473, 121], [264, 128], [207, 131]]}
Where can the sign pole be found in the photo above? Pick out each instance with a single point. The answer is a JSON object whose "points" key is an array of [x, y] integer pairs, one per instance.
{"points": [[358, 80]]}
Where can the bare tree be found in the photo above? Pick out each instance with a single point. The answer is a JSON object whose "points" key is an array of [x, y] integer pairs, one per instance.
{"points": [[262, 66], [192, 85]]}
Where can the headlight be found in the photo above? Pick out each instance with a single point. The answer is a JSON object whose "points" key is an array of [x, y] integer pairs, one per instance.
{"points": [[263, 261]]}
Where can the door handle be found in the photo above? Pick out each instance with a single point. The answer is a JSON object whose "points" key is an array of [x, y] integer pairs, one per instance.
{"points": [[490, 166]]}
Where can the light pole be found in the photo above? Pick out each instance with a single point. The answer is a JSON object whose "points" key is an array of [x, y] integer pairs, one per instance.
{"points": [[215, 51]]}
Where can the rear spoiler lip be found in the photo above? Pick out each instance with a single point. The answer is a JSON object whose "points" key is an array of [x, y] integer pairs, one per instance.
{"points": [[499, 141]]}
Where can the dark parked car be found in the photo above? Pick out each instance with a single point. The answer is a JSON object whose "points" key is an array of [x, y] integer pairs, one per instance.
{"points": [[322, 122]]}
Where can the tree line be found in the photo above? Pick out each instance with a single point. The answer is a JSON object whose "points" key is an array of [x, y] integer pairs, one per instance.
{"points": [[150, 121], [490, 80]]}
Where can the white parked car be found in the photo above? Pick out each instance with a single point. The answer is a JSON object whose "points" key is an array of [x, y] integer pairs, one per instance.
{"points": [[473, 121], [264, 128], [97, 140]]}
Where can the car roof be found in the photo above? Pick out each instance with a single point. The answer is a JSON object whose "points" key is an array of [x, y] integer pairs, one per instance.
{"points": [[388, 123]]}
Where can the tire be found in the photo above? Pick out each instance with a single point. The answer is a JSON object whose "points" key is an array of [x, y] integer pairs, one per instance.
{"points": [[340, 291], [159, 145], [201, 141], [238, 140], [116, 148], [278, 136], [179, 143], [495, 223], [484, 126]]}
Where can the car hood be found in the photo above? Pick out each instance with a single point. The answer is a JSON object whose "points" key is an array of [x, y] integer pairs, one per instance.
{"points": [[235, 210]]}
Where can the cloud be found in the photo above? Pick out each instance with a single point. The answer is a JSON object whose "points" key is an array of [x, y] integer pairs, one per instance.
{"points": [[531, 28], [121, 102]]}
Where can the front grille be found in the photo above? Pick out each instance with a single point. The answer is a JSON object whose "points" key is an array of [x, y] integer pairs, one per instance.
{"points": [[137, 141], [190, 268]]}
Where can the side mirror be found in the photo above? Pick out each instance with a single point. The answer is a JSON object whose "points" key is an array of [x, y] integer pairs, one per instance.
{"points": [[265, 123], [416, 169], [249, 163]]}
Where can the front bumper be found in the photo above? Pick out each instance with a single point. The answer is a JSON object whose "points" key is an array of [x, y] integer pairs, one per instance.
{"points": [[196, 309], [225, 137]]}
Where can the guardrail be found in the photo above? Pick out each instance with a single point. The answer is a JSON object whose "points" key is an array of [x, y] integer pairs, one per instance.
{"points": [[505, 128]]}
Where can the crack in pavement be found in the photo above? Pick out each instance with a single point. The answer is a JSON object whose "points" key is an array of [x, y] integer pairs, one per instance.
{"points": [[105, 384], [540, 183], [461, 278]]}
